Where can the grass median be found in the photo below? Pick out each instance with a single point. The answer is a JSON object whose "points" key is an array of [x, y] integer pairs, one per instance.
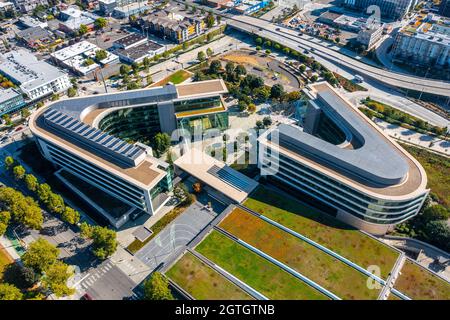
{"points": [[202, 282], [255, 271], [323, 229], [327, 271]]}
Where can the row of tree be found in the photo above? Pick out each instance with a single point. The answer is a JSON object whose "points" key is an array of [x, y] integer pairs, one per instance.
{"points": [[42, 273], [54, 202]]}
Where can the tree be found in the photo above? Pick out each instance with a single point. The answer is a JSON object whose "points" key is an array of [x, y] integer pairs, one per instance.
{"points": [[209, 52], [56, 277], [5, 216], [23, 209], [259, 41], [40, 255], [9, 161], [71, 92], [438, 233], [149, 79], [83, 29], [104, 240], [262, 93], [337, 39], [268, 51], [251, 108], [161, 143], [9, 292], [7, 119], [242, 105], [435, 212], [267, 121], [55, 203], [70, 215], [215, 67], [229, 68], [258, 48], [277, 91], [43, 192], [210, 20], [314, 78], [240, 70], [146, 63], [101, 55], [19, 172], [100, 23], [25, 113], [302, 68], [201, 56], [259, 124], [124, 69], [88, 62], [157, 288]]}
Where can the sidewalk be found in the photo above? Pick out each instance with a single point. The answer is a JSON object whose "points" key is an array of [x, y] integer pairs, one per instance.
{"points": [[413, 137]]}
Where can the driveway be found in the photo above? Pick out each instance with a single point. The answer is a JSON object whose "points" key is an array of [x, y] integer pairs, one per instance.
{"points": [[175, 235]]}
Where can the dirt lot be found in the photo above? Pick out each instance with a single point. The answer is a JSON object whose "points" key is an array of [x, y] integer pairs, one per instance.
{"points": [[271, 70]]}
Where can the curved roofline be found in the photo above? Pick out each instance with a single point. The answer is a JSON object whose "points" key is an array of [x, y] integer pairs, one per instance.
{"points": [[410, 182]]}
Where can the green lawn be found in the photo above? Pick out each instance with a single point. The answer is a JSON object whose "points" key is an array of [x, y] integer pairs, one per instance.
{"points": [[176, 78], [323, 229], [202, 282], [420, 284], [257, 272], [330, 273], [438, 172]]}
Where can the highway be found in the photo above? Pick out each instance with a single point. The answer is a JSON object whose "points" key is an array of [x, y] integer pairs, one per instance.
{"points": [[291, 39], [327, 51]]}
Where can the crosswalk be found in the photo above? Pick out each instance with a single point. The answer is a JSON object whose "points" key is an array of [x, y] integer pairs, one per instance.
{"points": [[127, 267], [96, 275]]}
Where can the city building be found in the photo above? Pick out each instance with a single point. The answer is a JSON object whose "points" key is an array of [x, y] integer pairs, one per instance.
{"points": [[343, 160], [75, 58], [249, 6], [86, 137], [425, 41], [129, 41], [26, 6], [72, 18], [35, 78], [6, 7], [135, 48], [369, 36], [36, 37], [444, 8], [218, 4], [11, 100], [107, 6], [130, 10], [172, 26], [30, 22], [137, 54], [389, 9]]}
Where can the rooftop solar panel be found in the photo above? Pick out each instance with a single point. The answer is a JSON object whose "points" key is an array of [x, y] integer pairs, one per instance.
{"points": [[116, 148], [229, 178]]}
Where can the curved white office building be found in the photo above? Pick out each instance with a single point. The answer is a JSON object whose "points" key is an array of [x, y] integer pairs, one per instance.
{"points": [[92, 137], [342, 159]]}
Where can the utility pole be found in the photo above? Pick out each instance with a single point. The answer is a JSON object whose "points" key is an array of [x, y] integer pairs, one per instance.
{"points": [[101, 69]]}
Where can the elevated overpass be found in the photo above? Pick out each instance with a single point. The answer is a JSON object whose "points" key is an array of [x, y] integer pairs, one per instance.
{"points": [[290, 39]]}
